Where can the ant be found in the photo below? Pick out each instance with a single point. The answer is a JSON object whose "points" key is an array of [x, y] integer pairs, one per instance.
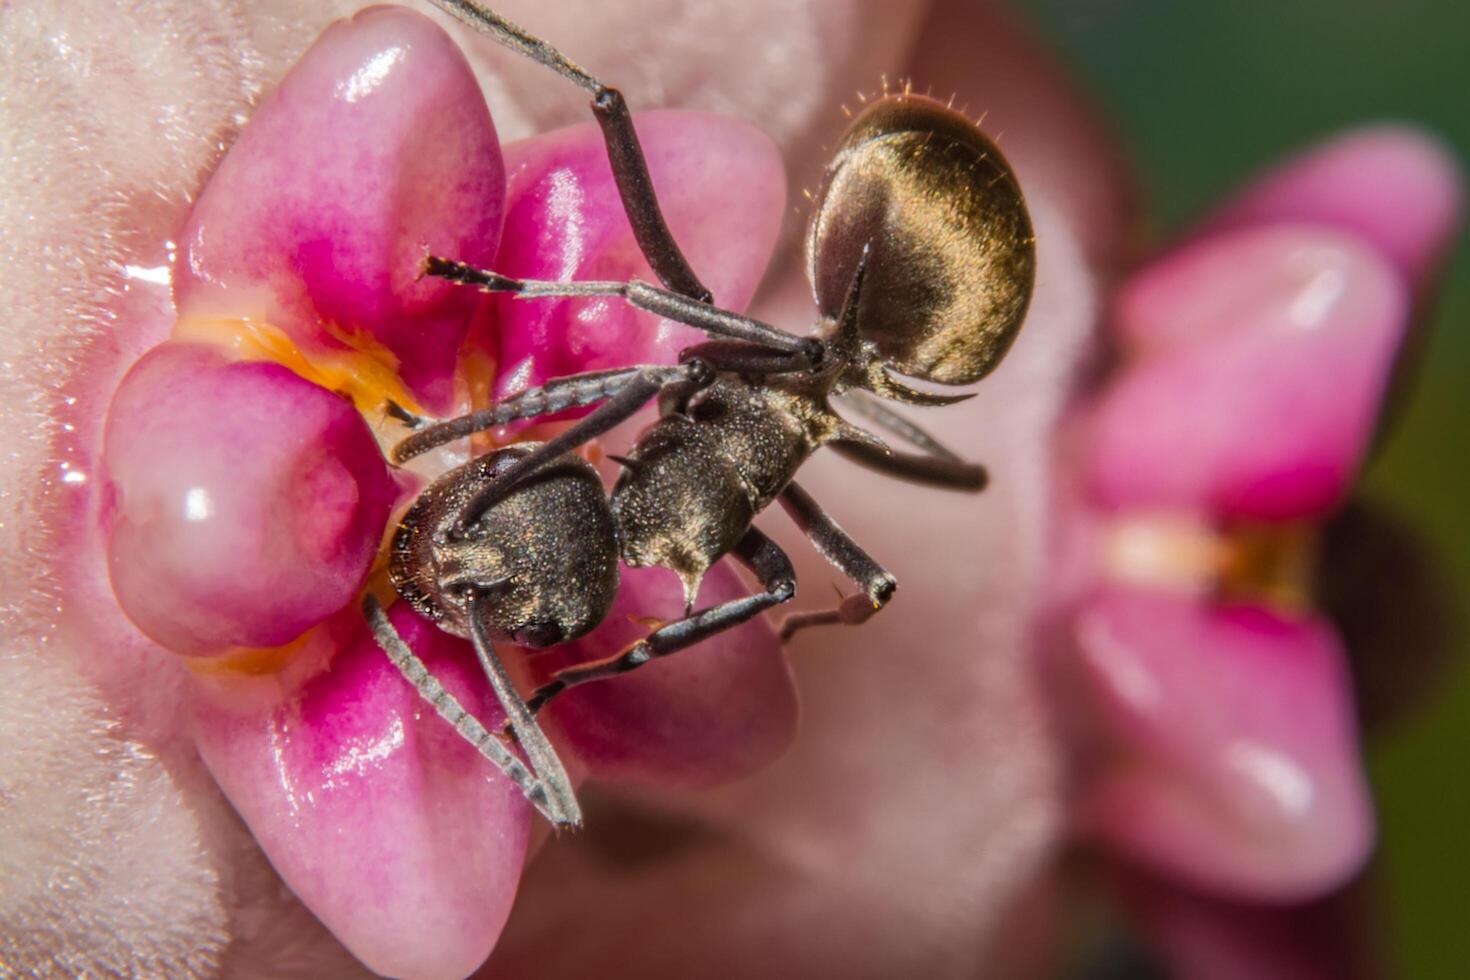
{"points": [[921, 256]]}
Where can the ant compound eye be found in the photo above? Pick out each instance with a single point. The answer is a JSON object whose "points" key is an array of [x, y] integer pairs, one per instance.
{"points": [[951, 256], [246, 503]]}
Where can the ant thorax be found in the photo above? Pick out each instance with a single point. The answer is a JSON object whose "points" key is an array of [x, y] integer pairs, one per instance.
{"points": [[698, 476]]}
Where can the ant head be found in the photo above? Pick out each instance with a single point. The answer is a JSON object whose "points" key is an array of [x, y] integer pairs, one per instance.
{"points": [[920, 247], [557, 522]]}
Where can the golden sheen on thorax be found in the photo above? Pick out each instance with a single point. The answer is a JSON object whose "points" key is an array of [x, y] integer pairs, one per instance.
{"points": [[951, 252]]}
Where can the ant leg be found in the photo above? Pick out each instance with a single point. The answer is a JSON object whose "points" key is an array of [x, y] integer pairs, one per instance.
{"points": [[847, 556], [758, 553], [449, 708], [577, 390], [640, 295], [925, 470], [624, 152], [746, 359], [936, 466], [556, 395], [539, 751], [636, 392], [393, 410], [884, 417]]}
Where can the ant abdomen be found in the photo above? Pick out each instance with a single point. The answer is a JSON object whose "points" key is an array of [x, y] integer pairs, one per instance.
{"points": [[542, 562], [951, 254]]}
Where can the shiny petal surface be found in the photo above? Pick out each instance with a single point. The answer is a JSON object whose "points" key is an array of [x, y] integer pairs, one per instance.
{"points": [[1229, 753], [389, 826], [704, 715], [1263, 356], [244, 504], [722, 188], [1396, 187], [375, 150]]}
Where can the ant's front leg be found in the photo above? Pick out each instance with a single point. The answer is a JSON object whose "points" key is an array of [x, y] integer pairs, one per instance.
{"points": [[758, 553], [555, 396], [645, 384], [847, 556], [624, 152], [622, 393]]}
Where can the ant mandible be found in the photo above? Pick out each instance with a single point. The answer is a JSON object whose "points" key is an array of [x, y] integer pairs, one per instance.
{"points": [[922, 258]]}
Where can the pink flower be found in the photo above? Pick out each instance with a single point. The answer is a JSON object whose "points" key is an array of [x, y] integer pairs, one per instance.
{"points": [[1251, 361], [907, 828]]}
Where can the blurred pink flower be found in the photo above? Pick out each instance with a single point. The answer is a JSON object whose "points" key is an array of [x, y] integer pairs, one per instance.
{"points": [[1251, 362]]}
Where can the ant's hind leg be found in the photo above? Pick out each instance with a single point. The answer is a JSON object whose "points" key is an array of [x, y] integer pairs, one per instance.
{"points": [[466, 724], [758, 553], [847, 556], [624, 152]]}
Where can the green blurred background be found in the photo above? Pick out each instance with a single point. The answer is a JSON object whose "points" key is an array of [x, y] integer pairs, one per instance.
{"points": [[1203, 93]]}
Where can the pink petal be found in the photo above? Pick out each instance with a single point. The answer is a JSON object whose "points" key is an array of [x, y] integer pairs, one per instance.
{"points": [[708, 714], [244, 504], [373, 151], [1267, 355], [722, 187], [389, 826], [1228, 753], [1395, 186]]}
